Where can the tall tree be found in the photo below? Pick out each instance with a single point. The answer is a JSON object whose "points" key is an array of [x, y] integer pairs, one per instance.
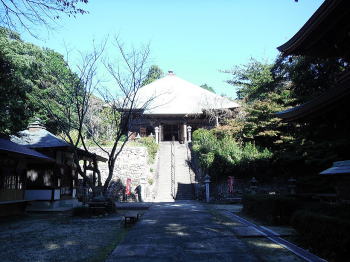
{"points": [[27, 72], [125, 100], [298, 147], [262, 95], [209, 88], [153, 74], [308, 76], [70, 106], [128, 74], [253, 79]]}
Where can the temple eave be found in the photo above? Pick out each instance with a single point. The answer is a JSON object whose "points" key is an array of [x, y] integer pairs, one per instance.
{"points": [[317, 37]]}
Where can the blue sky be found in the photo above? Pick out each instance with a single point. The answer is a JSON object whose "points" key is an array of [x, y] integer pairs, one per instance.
{"points": [[194, 38]]}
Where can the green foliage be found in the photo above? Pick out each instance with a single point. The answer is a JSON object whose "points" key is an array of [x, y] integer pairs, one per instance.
{"points": [[253, 79], [151, 145], [209, 88], [265, 89], [308, 76], [153, 74], [222, 155], [29, 75]]}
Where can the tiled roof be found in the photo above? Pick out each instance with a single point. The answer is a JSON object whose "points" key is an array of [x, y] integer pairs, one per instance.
{"points": [[172, 95], [39, 139], [324, 34], [11, 147], [42, 138], [340, 167], [323, 103]]}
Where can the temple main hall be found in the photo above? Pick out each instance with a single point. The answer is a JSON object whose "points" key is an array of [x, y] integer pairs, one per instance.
{"points": [[171, 108]]}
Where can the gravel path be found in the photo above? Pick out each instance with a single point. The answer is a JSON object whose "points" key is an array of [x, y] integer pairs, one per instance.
{"points": [[58, 237]]}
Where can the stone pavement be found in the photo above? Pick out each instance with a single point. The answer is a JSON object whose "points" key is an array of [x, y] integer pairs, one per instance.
{"points": [[182, 231]]}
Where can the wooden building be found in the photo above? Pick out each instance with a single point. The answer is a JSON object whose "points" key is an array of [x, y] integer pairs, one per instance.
{"points": [[51, 181], [326, 34], [172, 108], [14, 162]]}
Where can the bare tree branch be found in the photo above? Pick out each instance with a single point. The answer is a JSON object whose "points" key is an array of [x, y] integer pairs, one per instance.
{"points": [[16, 14]]}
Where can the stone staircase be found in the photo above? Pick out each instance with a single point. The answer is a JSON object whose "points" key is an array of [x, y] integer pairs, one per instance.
{"points": [[183, 186], [164, 172]]}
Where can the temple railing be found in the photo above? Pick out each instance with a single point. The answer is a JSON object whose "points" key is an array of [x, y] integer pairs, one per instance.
{"points": [[172, 157]]}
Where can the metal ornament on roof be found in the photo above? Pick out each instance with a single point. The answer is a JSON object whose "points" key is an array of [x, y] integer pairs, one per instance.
{"points": [[339, 167], [36, 123]]}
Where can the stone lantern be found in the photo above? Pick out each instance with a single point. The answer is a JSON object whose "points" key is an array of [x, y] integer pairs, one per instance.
{"points": [[207, 190], [156, 131], [189, 134], [253, 185]]}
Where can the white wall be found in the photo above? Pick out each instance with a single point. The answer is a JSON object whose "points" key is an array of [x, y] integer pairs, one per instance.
{"points": [[40, 194]]}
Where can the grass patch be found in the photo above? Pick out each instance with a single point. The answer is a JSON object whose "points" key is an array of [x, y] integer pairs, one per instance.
{"points": [[104, 252]]}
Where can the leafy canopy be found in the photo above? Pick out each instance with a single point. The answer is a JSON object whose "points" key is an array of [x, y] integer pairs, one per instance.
{"points": [[28, 76]]}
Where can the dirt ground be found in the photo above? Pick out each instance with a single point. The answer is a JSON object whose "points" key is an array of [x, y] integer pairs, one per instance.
{"points": [[59, 237]]}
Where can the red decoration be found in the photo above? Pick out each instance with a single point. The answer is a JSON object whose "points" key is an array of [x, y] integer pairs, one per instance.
{"points": [[128, 186]]}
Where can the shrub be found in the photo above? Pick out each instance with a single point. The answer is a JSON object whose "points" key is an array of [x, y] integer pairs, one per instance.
{"points": [[271, 209], [327, 236], [223, 156], [151, 145]]}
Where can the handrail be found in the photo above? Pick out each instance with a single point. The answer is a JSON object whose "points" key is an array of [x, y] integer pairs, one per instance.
{"points": [[189, 162], [172, 156]]}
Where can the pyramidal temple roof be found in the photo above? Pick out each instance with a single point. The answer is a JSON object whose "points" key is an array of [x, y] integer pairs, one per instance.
{"points": [[11, 147], [174, 96]]}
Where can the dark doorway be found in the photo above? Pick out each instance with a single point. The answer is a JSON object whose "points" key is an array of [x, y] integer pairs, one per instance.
{"points": [[171, 132]]}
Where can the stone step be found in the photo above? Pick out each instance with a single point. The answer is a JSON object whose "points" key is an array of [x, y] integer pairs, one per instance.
{"points": [[183, 187]]}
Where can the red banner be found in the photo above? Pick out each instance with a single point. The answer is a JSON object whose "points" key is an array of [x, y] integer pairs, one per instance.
{"points": [[128, 186]]}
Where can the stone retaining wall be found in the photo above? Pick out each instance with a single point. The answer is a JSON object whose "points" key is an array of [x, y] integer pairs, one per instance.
{"points": [[132, 163]]}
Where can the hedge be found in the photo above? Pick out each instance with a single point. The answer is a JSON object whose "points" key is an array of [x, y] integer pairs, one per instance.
{"points": [[270, 208], [328, 236]]}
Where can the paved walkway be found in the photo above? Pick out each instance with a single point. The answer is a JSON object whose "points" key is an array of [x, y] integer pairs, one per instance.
{"points": [[182, 231]]}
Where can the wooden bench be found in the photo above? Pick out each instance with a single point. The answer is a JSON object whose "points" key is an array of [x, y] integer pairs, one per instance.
{"points": [[131, 218], [98, 207]]}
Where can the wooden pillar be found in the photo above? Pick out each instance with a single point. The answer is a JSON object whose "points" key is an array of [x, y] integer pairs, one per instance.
{"points": [[156, 131], [184, 132], [161, 134]]}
